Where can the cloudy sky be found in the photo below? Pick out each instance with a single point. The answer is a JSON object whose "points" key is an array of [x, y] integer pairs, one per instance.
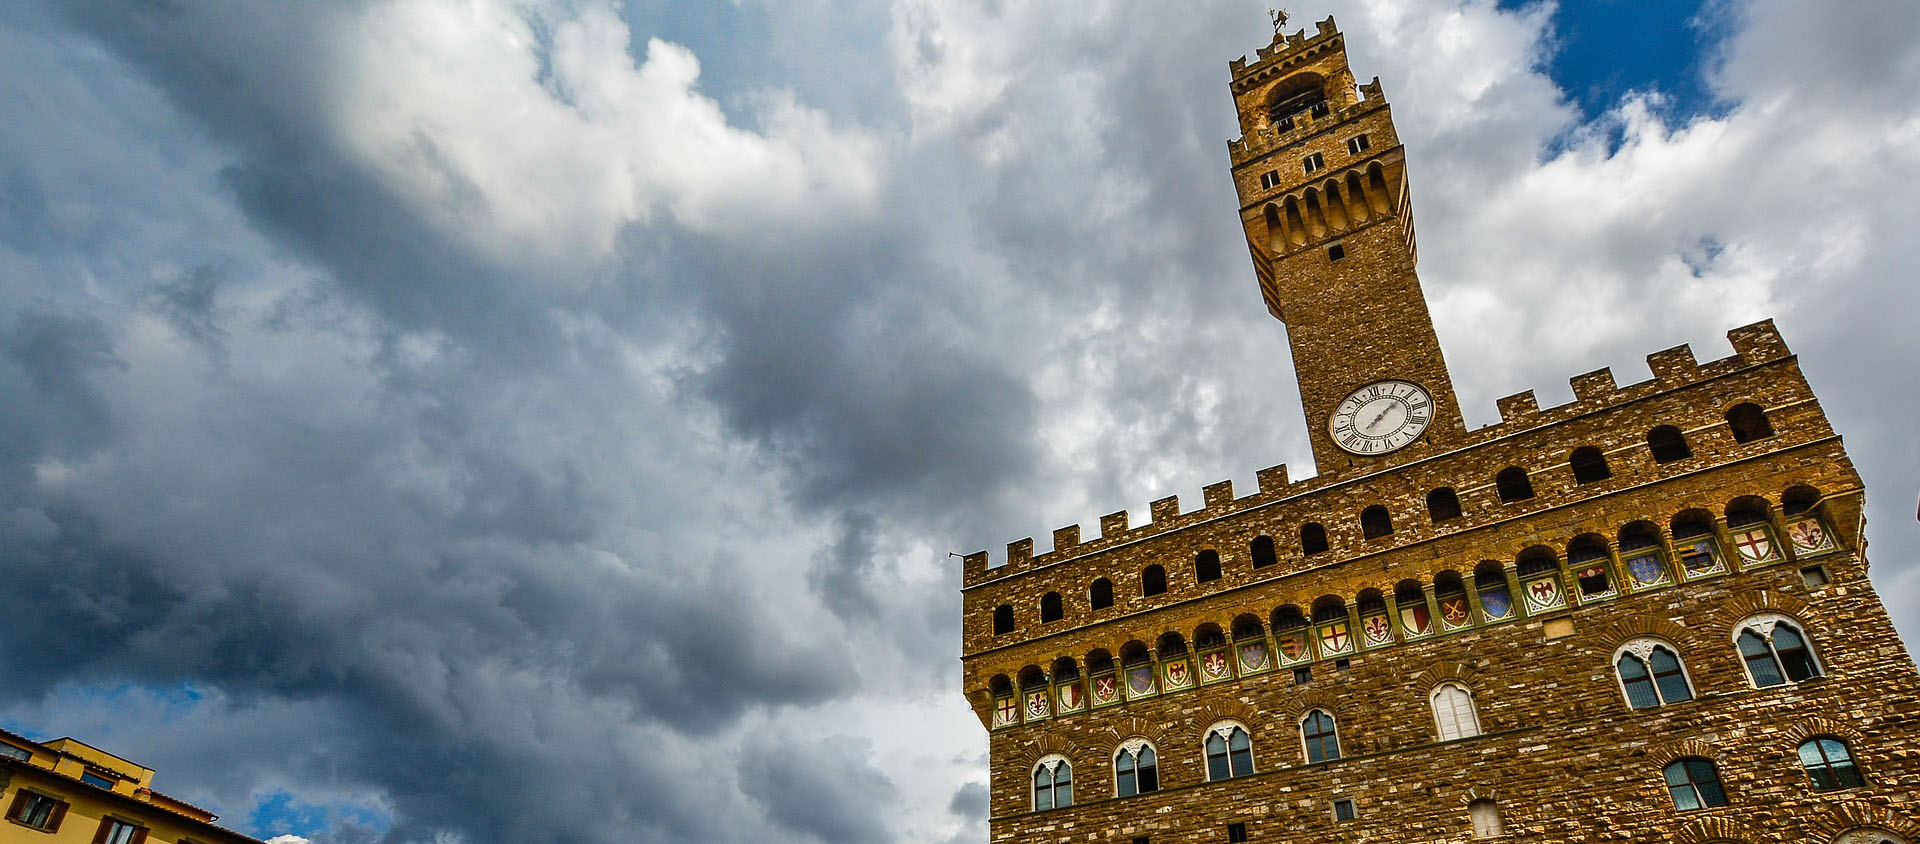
{"points": [[505, 420]]}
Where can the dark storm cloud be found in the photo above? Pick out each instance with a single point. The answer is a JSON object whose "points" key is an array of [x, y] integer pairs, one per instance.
{"points": [[823, 788], [53, 362]]}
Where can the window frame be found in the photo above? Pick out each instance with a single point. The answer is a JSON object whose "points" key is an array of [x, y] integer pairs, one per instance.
{"points": [[1472, 711], [1053, 764], [1226, 731], [1358, 144], [1313, 163], [1641, 650], [1830, 765], [1308, 741], [1132, 749], [1763, 626], [56, 809], [1694, 785]]}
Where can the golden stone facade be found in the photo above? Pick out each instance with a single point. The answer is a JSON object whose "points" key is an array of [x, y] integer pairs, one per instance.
{"points": [[1643, 615]]}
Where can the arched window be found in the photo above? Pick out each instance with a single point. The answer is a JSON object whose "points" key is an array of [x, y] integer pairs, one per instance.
{"points": [[1306, 93], [1262, 549], [1641, 554], [1443, 504], [1313, 538], [1153, 580], [1208, 636], [1693, 540], [1667, 444], [1136, 769], [1486, 818], [1490, 583], [1052, 784], [1589, 465], [1694, 784], [1229, 752], [1749, 423], [1375, 523], [1050, 607], [1651, 674], [1798, 499], [1829, 764], [1591, 563], [1513, 484], [1003, 619], [1206, 566], [1100, 595], [1775, 651], [1453, 712], [1322, 740]]}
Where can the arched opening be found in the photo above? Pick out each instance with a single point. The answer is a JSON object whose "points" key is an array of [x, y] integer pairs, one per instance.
{"points": [[1336, 206], [1749, 423], [1296, 222], [1375, 523], [1290, 634], [1262, 551], [1246, 627], [1313, 538], [1208, 636], [1316, 218], [1031, 677], [1100, 594], [1276, 230], [1454, 715], [1329, 608], [1485, 815], [1667, 444], [1799, 499], [1592, 565], [1099, 661], [1746, 510], [1539, 571], [1378, 196], [1490, 583], [1589, 465], [1356, 193], [1065, 670], [1134, 653], [1000, 686], [1171, 646], [1206, 566], [1322, 739], [1375, 629], [1513, 484], [1051, 607], [1443, 504], [1305, 94], [1153, 580], [1002, 619]]}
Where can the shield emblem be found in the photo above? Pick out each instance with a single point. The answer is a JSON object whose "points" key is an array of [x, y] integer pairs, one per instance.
{"points": [[1253, 656], [1808, 537], [1070, 698], [1140, 681], [1037, 704], [1755, 546], [1006, 711], [1293, 646], [1177, 676], [1414, 618], [1215, 665], [1496, 603], [1646, 570], [1379, 631], [1453, 611], [1543, 594], [1698, 558], [1334, 638], [1106, 689]]}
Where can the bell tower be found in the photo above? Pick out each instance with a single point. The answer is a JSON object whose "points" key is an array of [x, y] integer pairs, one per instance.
{"points": [[1324, 199]]}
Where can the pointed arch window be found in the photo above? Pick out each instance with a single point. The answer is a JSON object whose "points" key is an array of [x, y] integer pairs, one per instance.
{"points": [[1321, 736], [1453, 712], [1830, 764], [1052, 784], [1694, 784], [1775, 651], [1136, 769], [1651, 674], [1229, 752]]}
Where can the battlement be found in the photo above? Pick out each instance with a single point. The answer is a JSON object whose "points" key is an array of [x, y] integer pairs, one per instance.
{"points": [[1673, 369], [1285, 50], [1260, 140]]}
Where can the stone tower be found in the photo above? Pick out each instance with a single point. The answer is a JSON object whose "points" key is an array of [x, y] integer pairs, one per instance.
{"points": [[1644, 615]]}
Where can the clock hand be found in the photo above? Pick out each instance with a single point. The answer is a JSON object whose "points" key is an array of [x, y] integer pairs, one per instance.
{"points": [[1376, 419]]}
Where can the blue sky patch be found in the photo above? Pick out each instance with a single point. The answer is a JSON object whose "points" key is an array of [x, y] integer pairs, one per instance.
{"points": [[1603, 50]]}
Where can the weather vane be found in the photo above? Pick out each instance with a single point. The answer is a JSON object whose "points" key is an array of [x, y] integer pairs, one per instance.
{"points": [[1279, 17]]}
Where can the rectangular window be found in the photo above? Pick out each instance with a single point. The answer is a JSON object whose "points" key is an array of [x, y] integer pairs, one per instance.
{"points": [[1358, 144], [1336, 252], [96, 779], [1141, 840], [116, 831], [1314, 163], [1343, 810], [12, 752], [1320, 109], [36, 810], [1269, 180], [1236, 833], [1814, 576], [1303, 675], [1342, 664]]}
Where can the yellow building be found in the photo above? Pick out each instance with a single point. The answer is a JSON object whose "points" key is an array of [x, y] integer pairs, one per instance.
{"points": [[67, 791]]}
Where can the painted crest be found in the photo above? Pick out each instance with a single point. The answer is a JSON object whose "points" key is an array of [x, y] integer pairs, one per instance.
{"points": [[1809, 537], [1334, 638], [1646, 570], [1755, 546], [1106, 689], [1071, 698], [1544, 594], [1699, 559], [1214, 666], [1496, 602], [1414, 619], [1253, 656], [1454, 612], [1037, 706], [1006, 712], [1139, 681], [1378, 629], [1293, 646], [1178, 677]]}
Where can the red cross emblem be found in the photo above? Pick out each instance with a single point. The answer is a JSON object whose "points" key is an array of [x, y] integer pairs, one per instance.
{"points": [[1753, 544], [1335, 638], [1008, 711]]}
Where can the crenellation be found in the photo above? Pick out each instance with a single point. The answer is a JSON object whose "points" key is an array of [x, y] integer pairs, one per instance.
{"points": [[1519, 407], [1163, 511], [1272, 480], [1594, 386], [1673, 366], [1113, 525], [1019, 553], [1758, 342], [1218, 494], [1066, 540]]}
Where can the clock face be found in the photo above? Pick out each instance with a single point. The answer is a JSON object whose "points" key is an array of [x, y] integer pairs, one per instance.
{"points": [[1381, 417]]}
